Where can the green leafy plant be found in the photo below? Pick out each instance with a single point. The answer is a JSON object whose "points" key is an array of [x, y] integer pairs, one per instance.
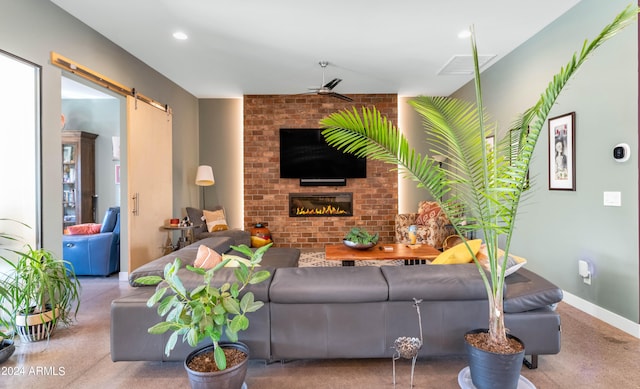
{"points": [[39, 282], [487, 184], [207, 311], [361, 236]]}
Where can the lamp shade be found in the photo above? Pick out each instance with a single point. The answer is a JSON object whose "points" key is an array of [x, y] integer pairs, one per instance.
{"points": [[204, 176]]}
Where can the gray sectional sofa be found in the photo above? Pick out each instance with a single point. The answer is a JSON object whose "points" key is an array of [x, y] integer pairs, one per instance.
{"points": [[349, 312]]}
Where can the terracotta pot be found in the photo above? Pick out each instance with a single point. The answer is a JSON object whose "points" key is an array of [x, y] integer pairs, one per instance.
{"points": [[229, 378], [492, 370]]}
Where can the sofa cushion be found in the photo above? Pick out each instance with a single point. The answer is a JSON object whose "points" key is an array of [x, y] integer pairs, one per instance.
{"points": [[110, 220], [514, 263], [186, 254], [277, 257], [527, 291], [216, 221], [459, 253], [321, 285], [428, 210], [84, 229], [197, 219], [206, 258], [191, 280], [429, 282]]}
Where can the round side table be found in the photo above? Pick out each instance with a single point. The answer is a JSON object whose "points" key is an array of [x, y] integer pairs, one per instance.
{"points": [[183, 240]]}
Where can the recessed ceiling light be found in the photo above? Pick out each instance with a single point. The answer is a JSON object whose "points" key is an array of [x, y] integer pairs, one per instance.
{"points": [[179, 35]]}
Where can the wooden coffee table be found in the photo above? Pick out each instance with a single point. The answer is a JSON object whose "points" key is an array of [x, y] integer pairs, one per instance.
{"points": [[384, 252]]}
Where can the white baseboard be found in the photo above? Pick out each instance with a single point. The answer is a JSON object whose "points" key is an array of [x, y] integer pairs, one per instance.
{"points": [[608, 317], [123, 276]]}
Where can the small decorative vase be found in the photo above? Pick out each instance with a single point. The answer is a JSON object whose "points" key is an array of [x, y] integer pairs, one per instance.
{"points": [[491, 370], [413, 231], [260, 235]]}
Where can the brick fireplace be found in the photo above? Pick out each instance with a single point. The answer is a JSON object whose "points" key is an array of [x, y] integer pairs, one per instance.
{"points": [[266, 195]]}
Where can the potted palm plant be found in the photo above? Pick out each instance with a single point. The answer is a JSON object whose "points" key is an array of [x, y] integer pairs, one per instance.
{"points": [[209, 312], [487, 184], [42, 291]]}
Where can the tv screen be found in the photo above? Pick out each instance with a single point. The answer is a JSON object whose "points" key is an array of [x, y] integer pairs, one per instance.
{"points": [[305, 154]]}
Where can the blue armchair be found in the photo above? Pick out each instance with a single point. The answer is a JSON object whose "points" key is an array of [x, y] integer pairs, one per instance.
{"points": [[97, 254]]}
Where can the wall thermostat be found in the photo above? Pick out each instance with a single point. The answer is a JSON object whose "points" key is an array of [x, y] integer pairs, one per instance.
{"points": [[621, 152]]}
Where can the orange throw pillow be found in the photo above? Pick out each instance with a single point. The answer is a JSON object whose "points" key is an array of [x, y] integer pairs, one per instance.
{"points": [[207, 258], [428, 211], [84, 229]]}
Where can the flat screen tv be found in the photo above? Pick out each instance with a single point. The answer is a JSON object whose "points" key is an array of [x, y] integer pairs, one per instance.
{"points": [[305, 154]]}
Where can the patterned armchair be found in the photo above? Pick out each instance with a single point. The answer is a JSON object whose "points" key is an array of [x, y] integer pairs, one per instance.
{"points": [[433, 227]]}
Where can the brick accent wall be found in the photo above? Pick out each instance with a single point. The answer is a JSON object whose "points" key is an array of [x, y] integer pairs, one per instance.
{"points": [[266, 196]]}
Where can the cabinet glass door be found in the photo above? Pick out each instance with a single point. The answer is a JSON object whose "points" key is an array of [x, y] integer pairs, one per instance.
{"points": [[69, 170]]}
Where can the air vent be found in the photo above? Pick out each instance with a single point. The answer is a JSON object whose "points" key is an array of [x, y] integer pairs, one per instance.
{"points": [[463, 65]]}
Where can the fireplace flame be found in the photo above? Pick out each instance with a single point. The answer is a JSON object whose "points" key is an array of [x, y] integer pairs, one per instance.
{"points": [[327, 210]]}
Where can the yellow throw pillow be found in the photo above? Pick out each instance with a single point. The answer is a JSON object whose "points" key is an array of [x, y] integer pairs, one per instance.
{"points": [[458, 253], [206, 258], [215, 220]]}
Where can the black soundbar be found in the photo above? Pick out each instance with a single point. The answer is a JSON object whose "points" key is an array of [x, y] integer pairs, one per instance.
{"points": [[323, 182]]}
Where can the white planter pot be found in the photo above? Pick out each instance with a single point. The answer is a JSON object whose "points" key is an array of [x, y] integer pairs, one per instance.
{"points": [[37, 326]]}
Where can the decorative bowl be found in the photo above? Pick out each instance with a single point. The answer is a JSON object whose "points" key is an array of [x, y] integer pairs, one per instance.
{"points": [[7, 349], [358, 246]]}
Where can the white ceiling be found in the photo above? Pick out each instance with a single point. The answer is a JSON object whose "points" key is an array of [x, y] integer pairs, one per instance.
{"points": [[238, 47]]}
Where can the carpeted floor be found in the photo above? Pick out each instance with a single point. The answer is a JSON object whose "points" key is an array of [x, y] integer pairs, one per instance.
{"points": [[316, 259]]}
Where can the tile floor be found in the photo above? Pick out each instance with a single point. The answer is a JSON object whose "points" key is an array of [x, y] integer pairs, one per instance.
{"points": [[594, 355]]}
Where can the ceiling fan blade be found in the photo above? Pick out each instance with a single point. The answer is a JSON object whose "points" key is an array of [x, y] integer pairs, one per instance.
{"points": [[332, 84], [339, 96]]}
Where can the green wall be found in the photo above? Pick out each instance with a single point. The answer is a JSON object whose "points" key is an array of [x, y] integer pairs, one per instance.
{"points": [[221, 147], [555, 229]]}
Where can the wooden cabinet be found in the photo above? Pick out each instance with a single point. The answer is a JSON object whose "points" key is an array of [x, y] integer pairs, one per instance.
{"points": [[78, 177]]}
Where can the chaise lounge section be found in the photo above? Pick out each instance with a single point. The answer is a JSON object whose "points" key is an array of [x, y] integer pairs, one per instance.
{"points": [[354, 312]]}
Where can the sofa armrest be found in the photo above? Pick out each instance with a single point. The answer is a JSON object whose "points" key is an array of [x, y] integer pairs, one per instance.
{"points": [[239, 236], [88, 254]]}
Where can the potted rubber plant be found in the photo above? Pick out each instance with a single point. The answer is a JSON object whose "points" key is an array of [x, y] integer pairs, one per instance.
{"points": [[487, 184], [209, 312], [42, 290]]}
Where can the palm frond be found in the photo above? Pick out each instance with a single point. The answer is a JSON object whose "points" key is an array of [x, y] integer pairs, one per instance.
{"points": [[483, 187]]}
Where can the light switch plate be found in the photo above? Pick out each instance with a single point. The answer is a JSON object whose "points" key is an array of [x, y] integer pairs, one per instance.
{"points": [[612, 199]]}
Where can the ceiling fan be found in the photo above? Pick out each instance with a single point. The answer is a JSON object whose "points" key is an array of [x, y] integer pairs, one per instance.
{"points": [[327, 89]]}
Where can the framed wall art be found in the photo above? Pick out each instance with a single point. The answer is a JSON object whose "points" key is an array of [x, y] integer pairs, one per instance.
{"points": [[562, 153]]}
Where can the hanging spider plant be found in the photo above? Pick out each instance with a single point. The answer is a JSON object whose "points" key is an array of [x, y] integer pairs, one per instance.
{"points": [[479, 189]]}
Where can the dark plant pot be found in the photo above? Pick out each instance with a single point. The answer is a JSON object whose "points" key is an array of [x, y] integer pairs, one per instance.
{"points": [[492, 370], [230, 378], [7, 347]]}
